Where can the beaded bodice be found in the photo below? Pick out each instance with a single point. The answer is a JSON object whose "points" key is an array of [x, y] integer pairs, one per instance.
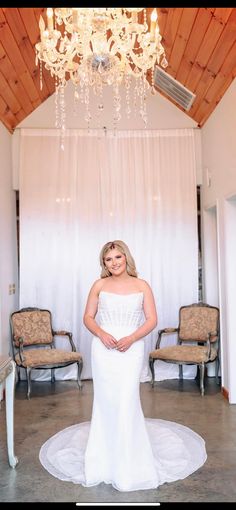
{"points": [[120, 310]]}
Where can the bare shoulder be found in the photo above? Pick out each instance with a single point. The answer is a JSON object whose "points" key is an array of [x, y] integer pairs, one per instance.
{"points": [[148, 299], [97, 286], [144, 286]]}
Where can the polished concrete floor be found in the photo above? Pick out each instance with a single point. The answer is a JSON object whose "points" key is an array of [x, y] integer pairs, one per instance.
{"points": [[55, 406]]}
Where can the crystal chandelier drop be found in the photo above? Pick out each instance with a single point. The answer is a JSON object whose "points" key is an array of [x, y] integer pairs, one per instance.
{"points": [[95, 47]]}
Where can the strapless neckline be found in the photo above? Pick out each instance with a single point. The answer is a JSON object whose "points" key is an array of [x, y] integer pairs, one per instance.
{"points": [[116, 294]]}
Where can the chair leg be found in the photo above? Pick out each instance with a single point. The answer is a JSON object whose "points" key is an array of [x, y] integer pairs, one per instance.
{"points": [[202, 373], [180, 371], [18, 373], [52, 375], [80, 366], [151, 365], [28, 373]]}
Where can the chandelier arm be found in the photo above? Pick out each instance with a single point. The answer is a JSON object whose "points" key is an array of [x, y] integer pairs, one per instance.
{"points": [[96, 47]]}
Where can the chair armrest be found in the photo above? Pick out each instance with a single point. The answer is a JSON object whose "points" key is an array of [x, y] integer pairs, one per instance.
{"points": [[210, 342], [21, 348], [65, 333], [214, 335], [165, 331]]}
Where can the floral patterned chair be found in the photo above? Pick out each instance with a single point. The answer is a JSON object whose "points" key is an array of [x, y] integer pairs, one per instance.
{"points": [[197, 341], [33, 344]]}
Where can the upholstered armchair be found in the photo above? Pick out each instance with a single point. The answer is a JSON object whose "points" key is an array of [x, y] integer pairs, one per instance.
{"points": [[197, 341], [33, 344]]}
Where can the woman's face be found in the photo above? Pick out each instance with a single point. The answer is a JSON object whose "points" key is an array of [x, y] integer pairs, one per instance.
{"points": [[115, 262]]}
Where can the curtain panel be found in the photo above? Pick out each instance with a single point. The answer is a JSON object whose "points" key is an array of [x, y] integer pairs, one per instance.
{"points": [[137, 186]]}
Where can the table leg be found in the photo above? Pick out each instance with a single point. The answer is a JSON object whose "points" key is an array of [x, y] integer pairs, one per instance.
{"points": [[10, 392]]}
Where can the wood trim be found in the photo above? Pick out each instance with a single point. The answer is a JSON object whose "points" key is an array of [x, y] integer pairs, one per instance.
{"points": [[225, 393]]}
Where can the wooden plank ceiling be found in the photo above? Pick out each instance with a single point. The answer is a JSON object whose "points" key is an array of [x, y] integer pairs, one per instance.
{"points": [[200, 45]]}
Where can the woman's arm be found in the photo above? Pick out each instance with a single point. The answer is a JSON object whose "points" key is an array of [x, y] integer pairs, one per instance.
{"points": [[89, 317], [150, 323]]}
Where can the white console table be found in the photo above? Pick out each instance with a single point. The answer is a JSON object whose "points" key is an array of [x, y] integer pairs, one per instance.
{"points": [[7, 374]]}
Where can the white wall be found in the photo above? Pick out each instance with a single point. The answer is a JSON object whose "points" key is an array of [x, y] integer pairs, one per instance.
{"points": [[162, 114], [218, 192], [8, 243]]}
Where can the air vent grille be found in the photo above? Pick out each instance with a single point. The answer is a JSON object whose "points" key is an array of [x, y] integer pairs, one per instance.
{"points": [[173, 88]]}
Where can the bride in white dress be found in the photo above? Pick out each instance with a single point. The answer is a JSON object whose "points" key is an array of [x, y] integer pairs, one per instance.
{"points": [[119, 446]]}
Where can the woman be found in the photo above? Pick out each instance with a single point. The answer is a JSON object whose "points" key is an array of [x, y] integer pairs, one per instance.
{"points": [[120, 446]]}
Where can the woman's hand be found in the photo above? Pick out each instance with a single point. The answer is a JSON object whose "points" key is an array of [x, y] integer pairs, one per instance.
{"points": [[124, 343], [108, 340]]}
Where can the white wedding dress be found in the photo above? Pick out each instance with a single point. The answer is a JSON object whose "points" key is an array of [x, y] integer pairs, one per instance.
{"points": [[120, 446]]}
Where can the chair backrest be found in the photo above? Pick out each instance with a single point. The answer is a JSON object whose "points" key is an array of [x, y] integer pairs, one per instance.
{"points": [[196, 321], [33, 324]]}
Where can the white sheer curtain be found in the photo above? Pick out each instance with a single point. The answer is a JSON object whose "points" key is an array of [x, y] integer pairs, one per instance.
{"points": [[138, 186]]}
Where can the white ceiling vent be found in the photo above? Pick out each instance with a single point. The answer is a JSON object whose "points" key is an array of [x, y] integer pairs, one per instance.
{"points": [[173, 88]]}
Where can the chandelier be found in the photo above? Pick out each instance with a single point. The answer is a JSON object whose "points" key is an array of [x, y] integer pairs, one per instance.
{"points": [[95, 47]]}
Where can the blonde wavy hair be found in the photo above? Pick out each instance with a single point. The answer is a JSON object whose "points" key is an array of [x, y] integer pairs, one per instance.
{"points": [[122, 248]]}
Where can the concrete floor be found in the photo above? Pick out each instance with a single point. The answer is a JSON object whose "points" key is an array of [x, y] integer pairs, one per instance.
{"points": [[55, 406]]}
